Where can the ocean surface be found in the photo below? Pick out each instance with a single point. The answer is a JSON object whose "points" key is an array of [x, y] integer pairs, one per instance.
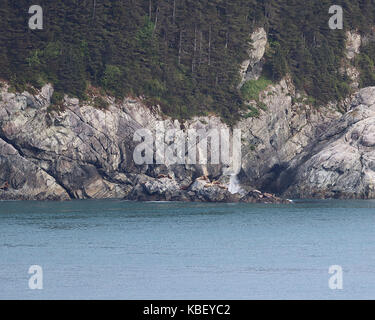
{"points": [[128, 250]]}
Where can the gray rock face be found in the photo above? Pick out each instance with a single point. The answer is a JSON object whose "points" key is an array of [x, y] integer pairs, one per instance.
{"points": [[341, 164], [251, 68], [353, 44], [278, 136], [202, 190], [87, 153], [84, 149], [26, 180]]}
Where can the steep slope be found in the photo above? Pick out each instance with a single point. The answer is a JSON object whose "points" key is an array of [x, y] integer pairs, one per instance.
{"points": [[83, 149], [183, 55]]}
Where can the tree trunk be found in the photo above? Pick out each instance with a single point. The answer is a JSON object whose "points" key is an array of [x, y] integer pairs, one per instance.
{"points": [[180, 49], [200, 47], [174, 11], [209, 46], [195, 50], [94, 10], [156, 19]]}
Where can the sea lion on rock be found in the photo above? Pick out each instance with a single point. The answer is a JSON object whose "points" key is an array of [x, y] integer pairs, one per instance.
{"points": [[5, 186]]}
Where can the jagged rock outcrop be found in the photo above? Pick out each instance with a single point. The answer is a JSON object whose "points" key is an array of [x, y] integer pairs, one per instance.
{"points": [[251, 68], [279, 134], [24, 180], [353, 44], [83, 152], [341, 163], [202, 190], [353, 47], [305, 152], [82, 148]]}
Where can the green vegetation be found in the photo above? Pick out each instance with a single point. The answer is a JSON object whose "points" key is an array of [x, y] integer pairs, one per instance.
{"points": [[252, 88], [365, 62], [100, 103], [262, 106], [305, 100], [254, 112], [183, 55], [57, 102]]}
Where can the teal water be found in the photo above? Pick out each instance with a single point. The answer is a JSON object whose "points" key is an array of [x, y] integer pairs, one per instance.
{"points": [[126, 250]]}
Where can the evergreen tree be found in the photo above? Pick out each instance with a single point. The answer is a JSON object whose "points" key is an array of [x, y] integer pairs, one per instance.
{"points": [[182, 54]]}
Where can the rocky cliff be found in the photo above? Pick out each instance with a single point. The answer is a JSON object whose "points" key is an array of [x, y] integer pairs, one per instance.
{"points": [[83, 152], [290, 148], [340, 163]]}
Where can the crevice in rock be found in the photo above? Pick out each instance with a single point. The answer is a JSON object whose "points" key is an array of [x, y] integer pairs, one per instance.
{"points": [[22, 154]]}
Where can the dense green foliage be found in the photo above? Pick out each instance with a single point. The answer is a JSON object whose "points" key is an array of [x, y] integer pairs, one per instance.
{"points": [[366, 63], [183, 54]]}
